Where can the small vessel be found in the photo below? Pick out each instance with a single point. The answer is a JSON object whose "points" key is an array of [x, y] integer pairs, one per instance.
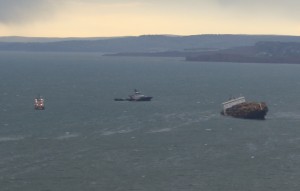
{"points": [[239, 108], [137, 96], [39, 103]]}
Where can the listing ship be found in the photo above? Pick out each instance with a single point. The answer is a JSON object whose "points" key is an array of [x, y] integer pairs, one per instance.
{"points": [[39, 103], [239, 108], [137, 96]]}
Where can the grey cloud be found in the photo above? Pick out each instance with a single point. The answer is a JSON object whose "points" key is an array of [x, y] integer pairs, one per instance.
{"points": [[288, 9], [23, 11], [267, 4], [20, 11]]}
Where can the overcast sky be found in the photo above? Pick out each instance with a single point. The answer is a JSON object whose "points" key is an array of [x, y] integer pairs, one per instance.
{"points": [[90, 18]]}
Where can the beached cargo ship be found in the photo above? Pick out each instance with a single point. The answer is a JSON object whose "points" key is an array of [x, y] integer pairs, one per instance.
{"points": [[239, 108]]}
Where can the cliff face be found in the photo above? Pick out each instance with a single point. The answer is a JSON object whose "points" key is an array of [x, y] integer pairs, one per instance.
{"points": [[261, 52], [247, 110]]}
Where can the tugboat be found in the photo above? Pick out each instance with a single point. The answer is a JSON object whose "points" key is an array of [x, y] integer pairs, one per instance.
{"points": [[239, 108], [137, 96], [39, 103]]}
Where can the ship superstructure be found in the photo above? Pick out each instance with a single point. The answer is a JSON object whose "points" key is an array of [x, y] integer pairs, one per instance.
{"points": [[39, 103]]}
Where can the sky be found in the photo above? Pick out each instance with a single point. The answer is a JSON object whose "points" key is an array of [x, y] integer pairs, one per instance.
{"points": [[108, 18]]}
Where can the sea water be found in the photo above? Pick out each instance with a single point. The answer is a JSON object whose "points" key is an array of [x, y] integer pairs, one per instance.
{"points": [[84, 140]]}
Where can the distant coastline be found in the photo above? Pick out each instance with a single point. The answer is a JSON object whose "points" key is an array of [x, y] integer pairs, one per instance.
{"points": [[214, 48], [261, 52]]}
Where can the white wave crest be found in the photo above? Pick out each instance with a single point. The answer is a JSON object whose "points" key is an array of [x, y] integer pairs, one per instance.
{"points": [[67, 135], [5, 139]]}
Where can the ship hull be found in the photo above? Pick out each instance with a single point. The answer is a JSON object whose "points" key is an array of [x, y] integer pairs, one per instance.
{"points": [[247, 110], [39, 108], [146, 98]]}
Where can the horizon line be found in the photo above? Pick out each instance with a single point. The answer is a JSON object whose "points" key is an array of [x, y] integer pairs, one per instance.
{"points": [[170, 35]]}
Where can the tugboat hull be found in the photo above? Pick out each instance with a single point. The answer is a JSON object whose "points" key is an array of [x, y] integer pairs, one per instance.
{"points": [[131, 99], [39, 108], [140, 99]]}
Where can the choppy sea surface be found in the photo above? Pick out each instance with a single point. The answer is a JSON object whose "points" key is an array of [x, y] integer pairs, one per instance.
{"points": [[177, 142]]}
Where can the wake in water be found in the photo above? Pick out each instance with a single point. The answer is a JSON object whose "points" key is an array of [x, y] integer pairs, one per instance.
{"points": [[285, 115]]}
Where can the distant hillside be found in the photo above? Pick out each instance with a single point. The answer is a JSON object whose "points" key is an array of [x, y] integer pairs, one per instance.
{"points": [[44, 39], [145, 43], [261, 52]]}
